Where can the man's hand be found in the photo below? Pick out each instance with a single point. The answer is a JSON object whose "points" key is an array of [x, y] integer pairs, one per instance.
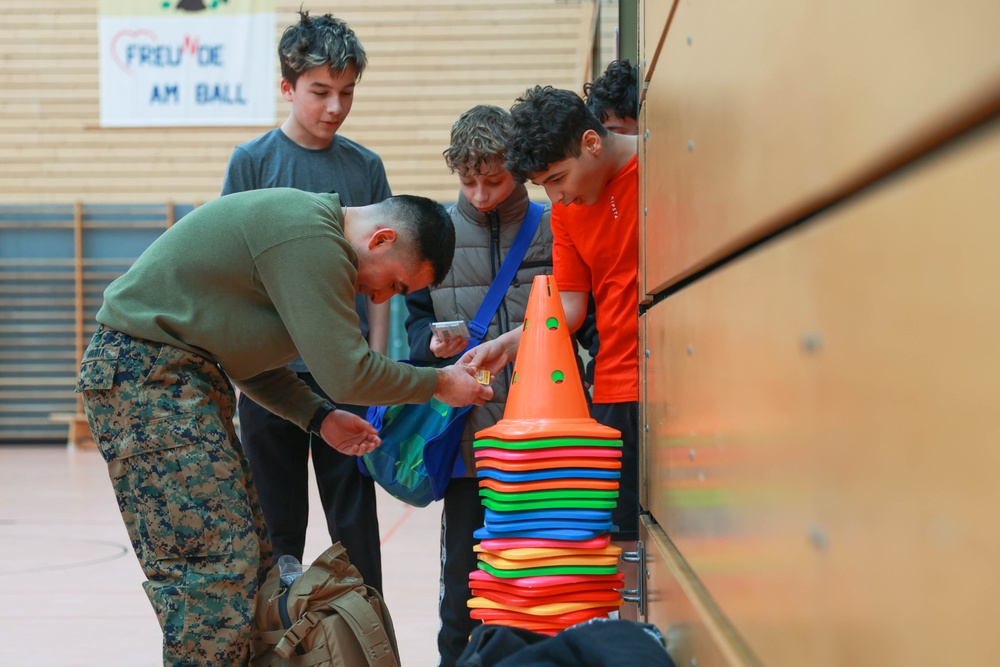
{"points": [[457, 386], [348, 433], [445, 349]]}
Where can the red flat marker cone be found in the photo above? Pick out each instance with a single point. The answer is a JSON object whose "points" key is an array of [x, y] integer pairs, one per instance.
{"points": [[546, 398]]}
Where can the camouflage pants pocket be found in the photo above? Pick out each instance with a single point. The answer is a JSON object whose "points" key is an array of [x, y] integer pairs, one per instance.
{"points": [[96, 382], [181, 490], [162, 418]]}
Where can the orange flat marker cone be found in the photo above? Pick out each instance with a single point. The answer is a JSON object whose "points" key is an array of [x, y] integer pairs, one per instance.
{"points": [[546, 398]]}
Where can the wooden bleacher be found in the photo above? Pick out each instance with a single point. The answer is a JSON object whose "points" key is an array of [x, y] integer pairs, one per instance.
{"points": [[55, 262]]}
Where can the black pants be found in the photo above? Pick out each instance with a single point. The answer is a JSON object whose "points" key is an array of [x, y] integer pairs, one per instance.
{"points": [[625, 418], [463, 513], [278, 452]]}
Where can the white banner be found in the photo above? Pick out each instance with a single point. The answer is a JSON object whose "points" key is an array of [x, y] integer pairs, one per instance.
{"points": [[163, 65]]}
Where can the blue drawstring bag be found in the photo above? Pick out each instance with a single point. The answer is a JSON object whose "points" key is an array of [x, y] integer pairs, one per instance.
{"points": [[420, 442], [419, 451]]}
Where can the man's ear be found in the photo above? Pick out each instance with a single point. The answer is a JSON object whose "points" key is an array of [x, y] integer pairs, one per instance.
{"points": [[382, 238], [286, 89], [591, 143]]}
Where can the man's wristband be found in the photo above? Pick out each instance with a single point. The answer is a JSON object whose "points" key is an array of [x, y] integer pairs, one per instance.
{"points": [[321, 412]]}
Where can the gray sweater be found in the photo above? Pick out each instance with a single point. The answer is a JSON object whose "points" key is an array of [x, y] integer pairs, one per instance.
{"points": [[345, 167], [250, 281]]}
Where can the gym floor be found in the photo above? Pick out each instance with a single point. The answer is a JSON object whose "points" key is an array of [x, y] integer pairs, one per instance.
{"points": [[70, 586]]}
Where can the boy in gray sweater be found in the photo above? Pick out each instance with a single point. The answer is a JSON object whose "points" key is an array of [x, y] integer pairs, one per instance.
{"points": [[321, 63]]}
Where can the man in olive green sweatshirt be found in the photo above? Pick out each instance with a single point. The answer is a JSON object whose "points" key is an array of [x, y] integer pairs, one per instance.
{"points": [[229, 295]]}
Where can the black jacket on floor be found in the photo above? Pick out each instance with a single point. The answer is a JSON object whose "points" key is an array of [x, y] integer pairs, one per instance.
{"points": [[597, 643]]}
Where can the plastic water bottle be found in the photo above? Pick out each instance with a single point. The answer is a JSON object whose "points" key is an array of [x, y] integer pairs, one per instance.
{"points": [[289, 569]]}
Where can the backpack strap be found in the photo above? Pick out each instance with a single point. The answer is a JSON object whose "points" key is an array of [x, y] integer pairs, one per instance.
{"points": [[376, 638], [498, 288], [293, 636], [386, 617], [286, 621]]}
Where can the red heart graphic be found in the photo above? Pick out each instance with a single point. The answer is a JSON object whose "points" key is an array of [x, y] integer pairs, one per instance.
{"points": [[128, 33]]}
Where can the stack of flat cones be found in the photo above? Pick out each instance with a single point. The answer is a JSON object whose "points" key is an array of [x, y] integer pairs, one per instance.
{"points": [[548, 478]]}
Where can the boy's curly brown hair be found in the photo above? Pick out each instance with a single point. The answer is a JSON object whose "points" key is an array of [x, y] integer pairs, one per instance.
{"points": [[478, 139]]}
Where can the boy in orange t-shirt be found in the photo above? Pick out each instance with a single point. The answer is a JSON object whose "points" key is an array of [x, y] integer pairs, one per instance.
{"points": [[591, 176]]}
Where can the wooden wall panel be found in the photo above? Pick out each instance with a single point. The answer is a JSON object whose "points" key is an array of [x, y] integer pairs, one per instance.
{"points": [[429, 60], [761, 112], [646, 469], [643, 159], [695, 630], [824, 441], [654, 16]]}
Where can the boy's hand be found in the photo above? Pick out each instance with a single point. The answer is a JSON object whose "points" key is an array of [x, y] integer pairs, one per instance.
{"points": [[494, 354], [348, 433], [443, 349], [457, 386]]}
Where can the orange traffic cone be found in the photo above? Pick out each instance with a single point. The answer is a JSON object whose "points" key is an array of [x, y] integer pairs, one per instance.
{"points": [[546, 398]]}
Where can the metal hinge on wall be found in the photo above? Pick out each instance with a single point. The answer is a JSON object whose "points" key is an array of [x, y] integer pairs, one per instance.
{"points": [[637, 594]]}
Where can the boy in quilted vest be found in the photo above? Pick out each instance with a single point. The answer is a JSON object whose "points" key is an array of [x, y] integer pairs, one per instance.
{"points": [[491, 206]]}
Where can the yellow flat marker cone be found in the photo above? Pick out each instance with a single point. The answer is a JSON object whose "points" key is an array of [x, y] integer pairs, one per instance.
{"points": [[529, 553]]}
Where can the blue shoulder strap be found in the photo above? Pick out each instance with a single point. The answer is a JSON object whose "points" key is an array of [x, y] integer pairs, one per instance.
{"points": [[481, 322]]}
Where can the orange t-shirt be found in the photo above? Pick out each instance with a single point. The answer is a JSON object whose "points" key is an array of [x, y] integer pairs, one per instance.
{"points": [[596, 248]]}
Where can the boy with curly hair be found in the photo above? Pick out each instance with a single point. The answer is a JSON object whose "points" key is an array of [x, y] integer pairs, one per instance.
{"points": [[591, 176], [487, 217], [614, 97]]}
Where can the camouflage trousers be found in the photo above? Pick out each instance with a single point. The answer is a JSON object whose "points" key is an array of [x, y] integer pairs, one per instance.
{"points": [[163, 420]]}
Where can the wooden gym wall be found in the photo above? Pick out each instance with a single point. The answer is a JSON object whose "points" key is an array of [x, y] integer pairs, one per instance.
{"points": [[78, 203], [822, 300], [429, 60]]}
